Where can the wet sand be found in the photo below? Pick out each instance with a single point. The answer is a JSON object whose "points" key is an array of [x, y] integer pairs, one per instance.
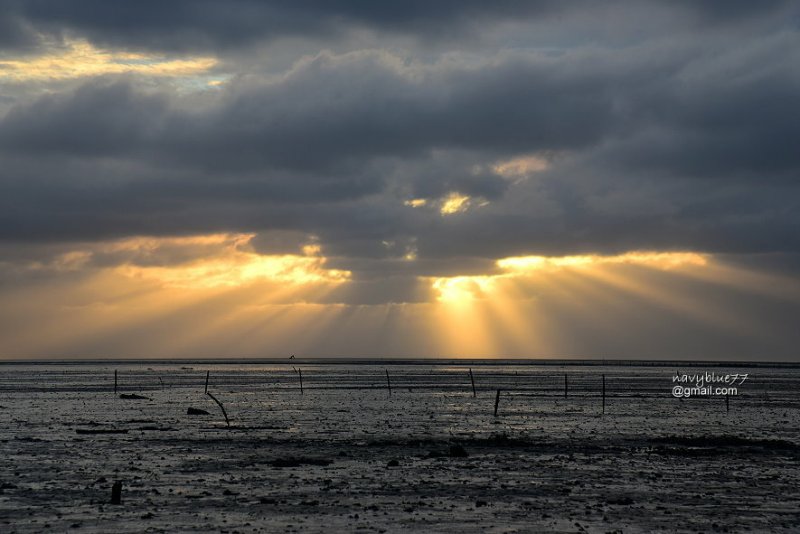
{"points": [[348, 455]]}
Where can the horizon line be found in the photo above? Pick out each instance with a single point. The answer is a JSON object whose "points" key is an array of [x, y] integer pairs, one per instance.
{"points": [[404, 361]]}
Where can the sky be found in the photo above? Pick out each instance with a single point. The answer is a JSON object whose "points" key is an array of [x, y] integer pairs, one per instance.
{"points": [[506, 179]]}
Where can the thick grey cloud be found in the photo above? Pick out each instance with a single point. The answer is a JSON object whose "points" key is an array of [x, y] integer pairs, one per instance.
{"points": [[317, 116], [211, 25], [659, 142]]}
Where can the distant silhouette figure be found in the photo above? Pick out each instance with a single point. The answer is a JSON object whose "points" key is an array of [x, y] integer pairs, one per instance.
{"points": [[291, 357]]}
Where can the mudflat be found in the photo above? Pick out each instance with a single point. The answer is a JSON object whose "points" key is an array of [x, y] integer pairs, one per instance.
{"points": [[396, 448]]}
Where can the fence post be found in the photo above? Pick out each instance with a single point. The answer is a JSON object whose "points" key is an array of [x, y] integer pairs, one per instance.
{"points": [[472, 379], [604, 393]]}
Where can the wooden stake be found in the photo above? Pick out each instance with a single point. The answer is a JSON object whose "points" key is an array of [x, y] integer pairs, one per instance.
{"points": [[604, 393], [115, 381], [727, 403], [300, 372], [388, 382], [565, 385], [116, 493], [472, 379], [221, 407], [496, 402], [207, 375]]}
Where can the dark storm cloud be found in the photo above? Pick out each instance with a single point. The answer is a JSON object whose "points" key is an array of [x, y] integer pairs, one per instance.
{"points": [[317, 116], [112, 152], [181, 25], [685, 143], [191, 24], [716, 10], [15, 34], [94, 121]]}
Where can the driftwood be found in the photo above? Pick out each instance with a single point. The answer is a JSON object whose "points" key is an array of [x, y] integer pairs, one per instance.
{"points": [[133, 396], [221, 407], [196, 411]]}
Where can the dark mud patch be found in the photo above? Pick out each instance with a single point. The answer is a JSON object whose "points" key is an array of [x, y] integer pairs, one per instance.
{"points": [[29, 439], [494, 440], [620, 501], [727, 442], [401, 442], [298, 462], [504, 440], [703, 446], [86, 423], [243, 428], [132, 396]]}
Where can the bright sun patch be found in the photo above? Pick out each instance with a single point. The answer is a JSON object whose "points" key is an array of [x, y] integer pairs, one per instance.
{"points": [[454, 203], [416, 202], [660, 260], [461, 289], [80, 58]]}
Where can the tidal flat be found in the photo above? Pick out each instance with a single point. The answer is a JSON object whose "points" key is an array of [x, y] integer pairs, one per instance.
{"points": [[408, 447]]}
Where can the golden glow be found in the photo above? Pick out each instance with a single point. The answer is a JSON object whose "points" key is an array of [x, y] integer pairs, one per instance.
{"points": [[215, 295], [454, 203], [459, 289], [152, 244], [521, 310], [416, 202], [520, 167], [69, 261], [231, 263], [659, 260], [467, 288], [312, 250], [79, 58], [240, 269]]}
